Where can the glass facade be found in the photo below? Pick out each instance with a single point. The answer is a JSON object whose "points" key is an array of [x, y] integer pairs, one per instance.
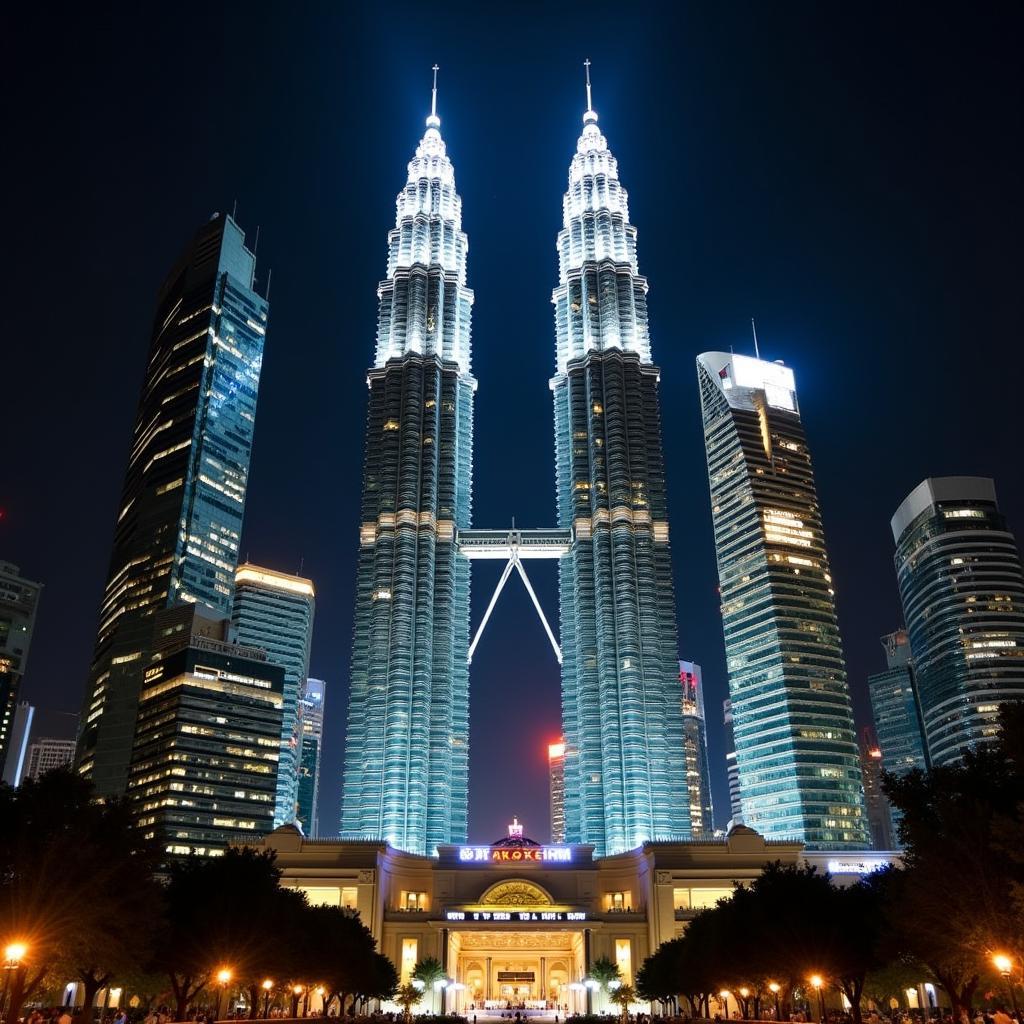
{"points": [[962, 588], [876, 803], [695, 745], [204, 765], [407, 743], [796, 751], [896, 710], [625, 770], [733, 773], [556, 784], [311, 717], [180, 516], [274, 610], [19, 599]]}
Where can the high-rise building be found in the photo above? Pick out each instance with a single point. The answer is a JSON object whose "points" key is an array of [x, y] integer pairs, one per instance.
{"points": [[895, 708], [17, 748], [695, 745], [556, 786], [796, 750], [732, 771], [311, 718], [46, 754], [407, 747], [625, 771], [962, 588], [204, 766], [274, 610], [19, 599], [180, 516], [876, 804]]}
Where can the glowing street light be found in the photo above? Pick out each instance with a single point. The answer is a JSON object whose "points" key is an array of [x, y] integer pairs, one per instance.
{"points": [[224, 975], [15, 953], [267, 986], [1004, 965], [724, 996], [774, 987], [817, 981]]}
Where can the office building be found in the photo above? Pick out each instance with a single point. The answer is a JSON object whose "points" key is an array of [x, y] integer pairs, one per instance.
{"points": [[556, 789], [311, 720], [19, 599], [46, 754], [274, 611], [796, 750], [207, 744], [876, 804], [17, 748], [625, 769], [732, 771], [695, 744], [407, 742], [895, 708], [960, 580], [180, 516]]}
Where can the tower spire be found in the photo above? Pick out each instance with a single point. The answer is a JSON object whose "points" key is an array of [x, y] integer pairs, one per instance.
{"points": [[434, 121], [753, 328], [589, 116]]}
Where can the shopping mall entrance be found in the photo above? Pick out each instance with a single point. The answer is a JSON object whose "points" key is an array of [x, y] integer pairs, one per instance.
{"points": [[534, 972]]}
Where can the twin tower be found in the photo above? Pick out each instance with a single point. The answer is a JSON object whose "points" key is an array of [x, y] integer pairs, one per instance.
{"points": [[407, 748]]}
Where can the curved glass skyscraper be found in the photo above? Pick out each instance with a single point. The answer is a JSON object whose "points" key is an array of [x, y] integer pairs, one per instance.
{"points": [[625, 770], [406, 755], [796, 751], [962, 587]]}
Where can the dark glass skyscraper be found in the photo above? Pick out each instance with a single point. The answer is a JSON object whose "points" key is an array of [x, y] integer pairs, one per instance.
{"points": [[962, 588], [180, 517], [695, 745], [895, 708], [625, 771], [407, 746], [796, 751], [19, 599], [311, 720]]}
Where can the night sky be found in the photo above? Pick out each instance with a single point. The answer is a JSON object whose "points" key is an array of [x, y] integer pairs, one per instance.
{"points": [[850, 175]]}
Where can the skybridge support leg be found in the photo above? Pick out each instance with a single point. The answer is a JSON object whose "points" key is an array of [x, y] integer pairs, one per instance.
{"points": [[540, 611]]}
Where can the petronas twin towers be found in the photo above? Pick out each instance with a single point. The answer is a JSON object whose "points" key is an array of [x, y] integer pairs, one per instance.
{"points": [[407, 748]]}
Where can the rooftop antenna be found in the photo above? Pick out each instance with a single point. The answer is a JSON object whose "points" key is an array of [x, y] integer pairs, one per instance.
{"points": [[256, 244], [270, 271], [234, 210], [433, 93], [753, 327], [302, 562], [590, 105]]}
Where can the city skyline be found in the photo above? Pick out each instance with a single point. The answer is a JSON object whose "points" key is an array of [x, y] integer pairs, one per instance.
{"points": [[978, 454]]}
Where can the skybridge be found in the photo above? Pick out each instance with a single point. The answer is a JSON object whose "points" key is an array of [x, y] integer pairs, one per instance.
{"points": [[515, 546]]}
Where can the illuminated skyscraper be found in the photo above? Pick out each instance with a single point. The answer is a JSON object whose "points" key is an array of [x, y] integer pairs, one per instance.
{"points": [[556, 779], [695, 745], [180, 516], [311, 719], [19, 599], [962, 587], [207, 739], [895, 708], [625, 771], [406, 754], [733, 773], [46, 754], [274, 611], [796, 751]]}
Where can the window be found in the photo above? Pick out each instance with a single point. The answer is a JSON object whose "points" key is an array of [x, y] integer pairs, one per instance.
{"points": [[624, 960], [409, 956], [414, 901]]}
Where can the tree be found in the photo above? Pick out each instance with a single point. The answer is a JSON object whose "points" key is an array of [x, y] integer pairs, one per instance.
{"points": [[658, 979], [407, 997], [76, 885], [429, 971], [622, 996]]}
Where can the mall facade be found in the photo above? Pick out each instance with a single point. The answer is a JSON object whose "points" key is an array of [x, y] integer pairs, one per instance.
{"points": [[517, 921]]}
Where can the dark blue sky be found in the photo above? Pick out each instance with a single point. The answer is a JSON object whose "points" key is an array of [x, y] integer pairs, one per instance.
{"points": [[848, 174]]}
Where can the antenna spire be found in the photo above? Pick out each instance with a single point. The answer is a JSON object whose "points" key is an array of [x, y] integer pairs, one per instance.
{"points": [[590, 105], [753, 328], [434, 121]]}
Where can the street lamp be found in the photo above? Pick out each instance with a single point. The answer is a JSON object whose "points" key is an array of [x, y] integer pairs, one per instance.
{"points": [[223, 977], [268, 987], [817, 981], [1004, 965], [724, 996], [14, 953], [744, 995], [592, 985], [774, 987]]}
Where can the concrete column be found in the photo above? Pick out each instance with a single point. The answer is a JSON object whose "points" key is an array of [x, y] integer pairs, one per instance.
{"points": [[487, 981]]}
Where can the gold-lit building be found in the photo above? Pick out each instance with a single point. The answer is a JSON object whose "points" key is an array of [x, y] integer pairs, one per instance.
{"points": [[517, 921]]}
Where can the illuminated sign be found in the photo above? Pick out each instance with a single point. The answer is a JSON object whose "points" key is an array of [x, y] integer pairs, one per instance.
{"points": [[855, 867], [516, 916], [515, 854]]}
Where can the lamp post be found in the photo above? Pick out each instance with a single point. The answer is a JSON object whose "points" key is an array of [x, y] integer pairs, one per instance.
{"points": [[592, 985], [1004, 965], [224, 975], [14, 953], [297, 991], [268, 987], [439, 986], [724, 996], [817, 981], [773, 987]]}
